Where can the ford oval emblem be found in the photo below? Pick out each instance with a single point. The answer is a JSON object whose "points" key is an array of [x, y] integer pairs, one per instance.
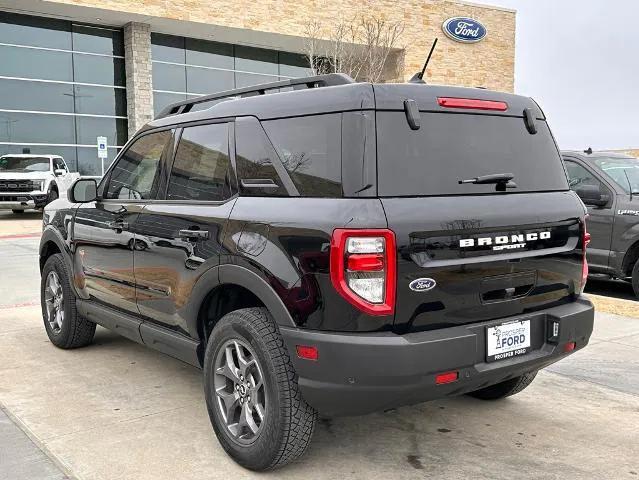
{"points": [[422, 284], [463, 29]]}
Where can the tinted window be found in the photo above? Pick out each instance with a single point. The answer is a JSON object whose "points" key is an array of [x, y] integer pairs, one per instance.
{"points": [[97, 40], [578, 176], [201, 170], [624, 171], [58, 164], [41, 96], [100, 100], [310, 149], [101, 70], [35, 31], [41, 64], [135, 175], [201, 80], [24, 165], [453, 147], [89, 128], [34, 128], [254, 157]]}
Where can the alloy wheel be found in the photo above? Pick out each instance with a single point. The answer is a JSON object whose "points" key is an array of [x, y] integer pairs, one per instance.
{"points": [[240, 391], [54, 301]]}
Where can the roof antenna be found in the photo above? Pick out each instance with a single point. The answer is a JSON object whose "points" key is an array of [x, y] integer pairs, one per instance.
{"points": [[588, 151], [419, 76]]}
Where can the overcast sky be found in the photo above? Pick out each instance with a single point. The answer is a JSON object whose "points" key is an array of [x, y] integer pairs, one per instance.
{"points": [[580, 60]]}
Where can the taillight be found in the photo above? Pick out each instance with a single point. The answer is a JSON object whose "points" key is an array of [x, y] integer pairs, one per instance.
{"points": [[585, 240], [363, 268], [472, 103]]}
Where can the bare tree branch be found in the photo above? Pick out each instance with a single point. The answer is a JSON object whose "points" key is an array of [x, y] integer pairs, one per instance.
{"points": [[365, 47]]}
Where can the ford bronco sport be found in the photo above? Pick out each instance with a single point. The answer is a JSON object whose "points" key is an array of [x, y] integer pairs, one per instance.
{"points": [[320, 246]]}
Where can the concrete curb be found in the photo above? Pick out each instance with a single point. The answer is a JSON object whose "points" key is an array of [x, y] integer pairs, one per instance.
{"points": [[63, 467]]}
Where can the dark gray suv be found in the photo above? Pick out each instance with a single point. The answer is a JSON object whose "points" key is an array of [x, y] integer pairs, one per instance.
{"points": [[608, 184]]}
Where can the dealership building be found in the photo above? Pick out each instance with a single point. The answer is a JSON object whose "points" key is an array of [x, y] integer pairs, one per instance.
{"points": [[75, 70]]}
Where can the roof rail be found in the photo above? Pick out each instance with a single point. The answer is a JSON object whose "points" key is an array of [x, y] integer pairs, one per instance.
{"points": [[328, 80]]}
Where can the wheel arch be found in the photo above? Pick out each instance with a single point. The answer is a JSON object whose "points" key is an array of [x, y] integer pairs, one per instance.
{"points": [[629, 259], [50, 244], [227, 288]]}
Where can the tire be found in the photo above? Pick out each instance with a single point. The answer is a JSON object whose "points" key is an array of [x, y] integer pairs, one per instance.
{"points": [[67, 330], [286, 426], [635, 278], [51, 196], [17, 211], [505, 389]]}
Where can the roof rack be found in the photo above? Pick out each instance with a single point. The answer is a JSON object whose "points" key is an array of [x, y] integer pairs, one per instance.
{"points": [[328, 80]]}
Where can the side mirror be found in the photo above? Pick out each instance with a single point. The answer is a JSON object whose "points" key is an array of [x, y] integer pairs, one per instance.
{"points": [[58, 172], [592, 195], [83, 190]]}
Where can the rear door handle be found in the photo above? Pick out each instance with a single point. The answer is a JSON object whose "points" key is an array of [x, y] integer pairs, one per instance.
{"points": [[194, 234]]}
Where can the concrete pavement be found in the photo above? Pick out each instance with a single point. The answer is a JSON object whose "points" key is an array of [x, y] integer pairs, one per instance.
{"points": [[116, 410]]}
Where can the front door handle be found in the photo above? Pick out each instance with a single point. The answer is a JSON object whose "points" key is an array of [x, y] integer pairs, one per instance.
{"points": [[118, 225], [194, 234]]}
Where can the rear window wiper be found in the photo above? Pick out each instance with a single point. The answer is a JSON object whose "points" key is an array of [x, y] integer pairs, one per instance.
{"points": [[501, 180]]}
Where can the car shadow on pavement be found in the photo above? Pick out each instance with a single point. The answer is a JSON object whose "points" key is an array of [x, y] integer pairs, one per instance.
{"points": [[610, 288]]}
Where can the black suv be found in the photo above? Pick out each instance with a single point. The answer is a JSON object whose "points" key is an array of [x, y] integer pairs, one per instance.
{"points": [[332, 247], [608, 184]]}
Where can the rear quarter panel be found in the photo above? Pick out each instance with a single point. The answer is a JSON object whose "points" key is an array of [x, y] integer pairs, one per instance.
{"points": [[286, 242]]}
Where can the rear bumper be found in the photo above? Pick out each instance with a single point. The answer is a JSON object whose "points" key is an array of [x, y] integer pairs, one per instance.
{"points": [[22, 201], [363, 373]]}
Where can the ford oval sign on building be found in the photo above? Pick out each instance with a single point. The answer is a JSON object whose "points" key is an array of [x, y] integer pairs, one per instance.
{"points": [[463, 29]]}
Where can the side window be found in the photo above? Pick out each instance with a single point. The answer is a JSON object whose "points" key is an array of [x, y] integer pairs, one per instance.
{"points": [[310, 149], [58, 164], [579, 176], [135, 176], [201, 170], [254, 156]]}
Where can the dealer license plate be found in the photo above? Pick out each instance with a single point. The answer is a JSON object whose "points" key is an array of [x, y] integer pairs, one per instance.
{"points": [[507, 340]]}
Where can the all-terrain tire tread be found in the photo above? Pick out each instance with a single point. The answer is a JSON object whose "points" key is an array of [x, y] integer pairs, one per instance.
{"points": [[298, 417], [81, 331], [301, 420]]}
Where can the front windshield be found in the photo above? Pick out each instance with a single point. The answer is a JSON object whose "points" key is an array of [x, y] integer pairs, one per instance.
{"points": [[24, 164], [624, 171]]}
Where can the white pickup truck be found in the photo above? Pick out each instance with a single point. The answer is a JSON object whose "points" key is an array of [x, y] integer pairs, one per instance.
{"points": [[32, 181]]}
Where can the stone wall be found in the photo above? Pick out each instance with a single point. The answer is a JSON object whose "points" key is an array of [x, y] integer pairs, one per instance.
{"points": [[139, 90], [489, 63]]}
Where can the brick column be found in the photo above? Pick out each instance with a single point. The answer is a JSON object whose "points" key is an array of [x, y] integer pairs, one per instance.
{"points": [[137, 60]]}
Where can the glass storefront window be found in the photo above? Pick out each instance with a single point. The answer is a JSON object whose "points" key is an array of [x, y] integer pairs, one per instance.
{"points": [[257, 60], [53, 65], [88, 129], [30, 63], [101, 40], [100, 70], [203, 81], [100, 100], [167, 48], [35, 31], [169, 77], [209, 54], [36, 128], [39, 96], [201, 67]]}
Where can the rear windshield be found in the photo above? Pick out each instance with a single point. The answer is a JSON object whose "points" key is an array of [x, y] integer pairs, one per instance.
{"points": [[450, 147]]}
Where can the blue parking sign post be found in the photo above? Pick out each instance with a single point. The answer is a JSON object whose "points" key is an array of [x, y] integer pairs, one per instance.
{"points": [[102, 150]]}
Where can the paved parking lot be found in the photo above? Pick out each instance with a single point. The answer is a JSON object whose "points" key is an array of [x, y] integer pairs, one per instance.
{"points": [[116, 410]]}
